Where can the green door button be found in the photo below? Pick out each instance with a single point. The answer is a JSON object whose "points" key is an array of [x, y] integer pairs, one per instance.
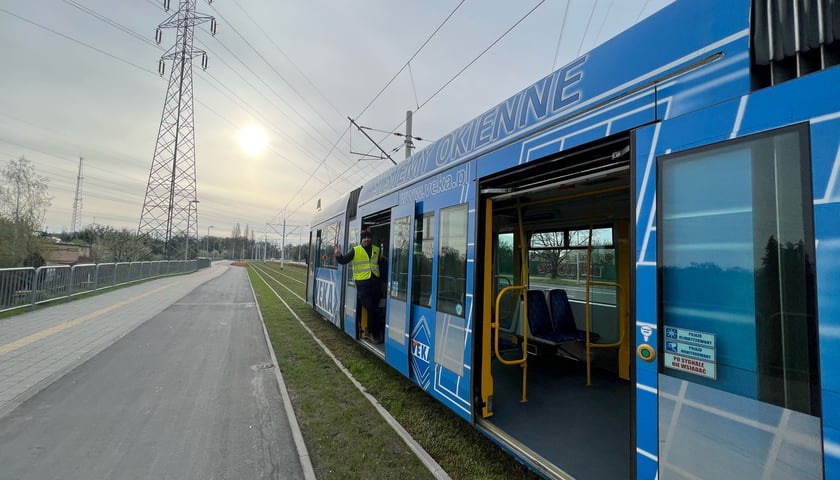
{"points": [[646, 352]]}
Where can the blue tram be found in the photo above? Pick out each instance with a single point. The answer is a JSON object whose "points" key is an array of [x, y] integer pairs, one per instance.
{"points": [[631, 268]]}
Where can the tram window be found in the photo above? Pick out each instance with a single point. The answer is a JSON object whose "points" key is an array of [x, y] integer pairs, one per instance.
{"points": [[601, 237], [329, 239], [316, 247], [354, 240], [550, 240], [737, 268], [399, 259], [452, 260], [424, 236], [504, 261], [558, 259], [504, 275]]}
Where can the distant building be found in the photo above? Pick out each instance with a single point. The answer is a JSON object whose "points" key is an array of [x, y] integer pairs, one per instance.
{"points": [[66, 253]]}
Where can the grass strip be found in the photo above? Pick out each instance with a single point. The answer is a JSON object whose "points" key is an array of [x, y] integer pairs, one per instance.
{"points": [[462, 451], [344, 434]]}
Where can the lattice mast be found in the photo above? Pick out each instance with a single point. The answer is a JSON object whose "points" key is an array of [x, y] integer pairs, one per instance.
{"points": [[76, 223], [172, 180]]}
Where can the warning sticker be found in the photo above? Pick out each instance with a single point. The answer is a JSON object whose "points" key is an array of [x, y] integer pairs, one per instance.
{"points": [[691, 336], [690, 365], [690, 350]]}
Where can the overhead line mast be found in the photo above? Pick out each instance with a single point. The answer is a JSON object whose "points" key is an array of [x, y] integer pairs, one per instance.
{"points": [[172, 179]]}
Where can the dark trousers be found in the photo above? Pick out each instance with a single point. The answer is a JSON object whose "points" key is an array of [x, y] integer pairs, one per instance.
{"points": [[368, 293]]}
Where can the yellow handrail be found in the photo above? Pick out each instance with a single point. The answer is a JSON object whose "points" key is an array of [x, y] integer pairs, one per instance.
{"points": [[621, 326], [523, 263], [490, 343], [495, 325]]}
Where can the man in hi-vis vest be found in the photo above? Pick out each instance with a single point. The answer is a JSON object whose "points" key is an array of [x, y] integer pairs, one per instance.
{"points": [[366, 259]]}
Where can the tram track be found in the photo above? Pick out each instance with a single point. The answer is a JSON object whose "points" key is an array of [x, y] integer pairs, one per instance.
{"points": [[267, 276], [461, 452], [267, 272]]}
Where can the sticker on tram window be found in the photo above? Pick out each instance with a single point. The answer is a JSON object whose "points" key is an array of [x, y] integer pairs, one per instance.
{"points": [[691, 336], [691, 365], [690, 351]]}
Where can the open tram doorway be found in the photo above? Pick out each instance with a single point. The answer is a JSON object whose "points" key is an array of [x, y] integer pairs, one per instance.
{"points": [[555, 262], [379, 226]]}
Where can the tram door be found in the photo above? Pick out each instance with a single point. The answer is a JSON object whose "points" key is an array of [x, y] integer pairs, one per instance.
{"points": [[421, 325], [728, 362], [351, 321], [556, 329], [397, 347]]}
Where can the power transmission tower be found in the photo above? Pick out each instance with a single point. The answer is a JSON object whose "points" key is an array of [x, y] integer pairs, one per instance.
{"points": [[76, 223], [172, 185]]}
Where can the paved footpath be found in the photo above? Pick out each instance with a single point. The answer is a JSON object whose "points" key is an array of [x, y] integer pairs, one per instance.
{"points": [[167, 379]]}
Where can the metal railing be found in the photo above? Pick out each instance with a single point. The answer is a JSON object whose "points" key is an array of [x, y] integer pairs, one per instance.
{"points": [[28, 286]]}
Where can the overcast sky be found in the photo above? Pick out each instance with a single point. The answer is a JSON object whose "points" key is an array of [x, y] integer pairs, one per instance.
{"points": [[79, 78]]}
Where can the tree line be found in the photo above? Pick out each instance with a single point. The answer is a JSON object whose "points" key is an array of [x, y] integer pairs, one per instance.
{"points": [[24, 199]]}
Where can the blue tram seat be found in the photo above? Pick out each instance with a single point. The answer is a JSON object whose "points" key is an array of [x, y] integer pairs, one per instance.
{"points": [[540, 321], [562, 318]]}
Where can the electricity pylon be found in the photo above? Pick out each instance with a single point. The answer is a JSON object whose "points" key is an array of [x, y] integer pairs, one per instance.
{"points": [[76, 223], [172, 181]]}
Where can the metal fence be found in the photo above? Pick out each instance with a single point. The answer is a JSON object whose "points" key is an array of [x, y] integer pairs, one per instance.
{"points": [[27, 286]]}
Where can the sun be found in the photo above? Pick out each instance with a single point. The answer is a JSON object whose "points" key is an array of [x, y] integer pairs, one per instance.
{"points": [[253, 139]]}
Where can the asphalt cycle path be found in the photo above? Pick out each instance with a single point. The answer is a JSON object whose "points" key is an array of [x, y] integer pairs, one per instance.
{"points": [[184, 388]]}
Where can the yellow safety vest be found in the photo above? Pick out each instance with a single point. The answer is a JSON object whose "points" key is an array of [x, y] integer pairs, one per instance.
{"points": [[363, 265]]}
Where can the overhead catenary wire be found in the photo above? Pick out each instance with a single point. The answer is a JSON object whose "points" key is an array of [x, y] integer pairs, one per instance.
{"points": [[274, 69], [431, 36], [67, 37], [251, 110], [104, 19], [265, 121], [588, 24], [368, 137], [378, 94], [641, 11], [413, 86], [603, 21], [135, 35], [335, 161], [492, 44], [289, 59], [398, 134], [115, 57], [560, 37], [100, 51], [468, 65], [471, 62], [112, 23]]}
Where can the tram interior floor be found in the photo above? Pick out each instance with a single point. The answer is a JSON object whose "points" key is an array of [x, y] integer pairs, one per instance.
{"points": [[583, 430]]}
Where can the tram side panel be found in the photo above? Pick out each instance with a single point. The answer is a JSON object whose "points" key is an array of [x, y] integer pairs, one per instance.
{"points": [[326, 290], [703, 263], [440, 311], [825, 151]]}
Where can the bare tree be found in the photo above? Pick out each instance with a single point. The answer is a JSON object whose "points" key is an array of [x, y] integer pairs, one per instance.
{"points": [[234, 235], [548, 251], [23, 204], [23, 193]]}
